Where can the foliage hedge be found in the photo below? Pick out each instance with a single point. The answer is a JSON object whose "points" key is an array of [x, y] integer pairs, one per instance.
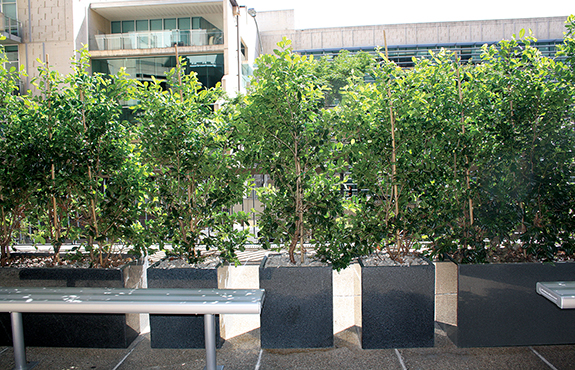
{"points": [[471, 161]]}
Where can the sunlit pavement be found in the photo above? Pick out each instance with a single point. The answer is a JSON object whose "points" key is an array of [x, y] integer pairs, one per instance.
{"points": [[243, 352]]}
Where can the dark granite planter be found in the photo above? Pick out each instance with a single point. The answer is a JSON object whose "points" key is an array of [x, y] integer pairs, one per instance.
{"points": [[498, 306], [72, 330], [181, 331], [298, 308], [397, 306]]}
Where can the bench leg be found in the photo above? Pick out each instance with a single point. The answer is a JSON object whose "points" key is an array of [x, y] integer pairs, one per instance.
{"points": [[18, 343], [210, 337]]}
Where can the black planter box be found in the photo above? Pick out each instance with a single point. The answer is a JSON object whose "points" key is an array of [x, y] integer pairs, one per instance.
{"points": [[298, 307], [397, 306], [498, 306], [181, 331], [68, 330]]}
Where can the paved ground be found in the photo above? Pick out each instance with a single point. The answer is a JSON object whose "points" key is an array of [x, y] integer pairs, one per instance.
{"points": [[243, 352]]}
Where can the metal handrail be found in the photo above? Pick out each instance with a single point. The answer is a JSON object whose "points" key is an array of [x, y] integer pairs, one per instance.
{"points": [[12, 26], [156, 39]]}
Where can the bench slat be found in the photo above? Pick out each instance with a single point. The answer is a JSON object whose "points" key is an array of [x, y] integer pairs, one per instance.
{"points": [[118, 300], [562, 293]]}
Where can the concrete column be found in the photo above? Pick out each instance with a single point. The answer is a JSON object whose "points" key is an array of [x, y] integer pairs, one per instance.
{"points": [[446, 289]]}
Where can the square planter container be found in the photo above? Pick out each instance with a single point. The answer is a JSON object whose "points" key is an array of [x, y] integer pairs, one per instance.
{"points": [[298, 307], [73, 330], [497, 305], [181, 331], [397, 306]]}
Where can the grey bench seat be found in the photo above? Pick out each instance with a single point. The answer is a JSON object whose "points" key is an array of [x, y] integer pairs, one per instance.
{"points": [[562, 293], [207, 302]]}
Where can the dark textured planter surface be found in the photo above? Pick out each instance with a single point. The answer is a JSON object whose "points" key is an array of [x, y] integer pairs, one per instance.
{"points": [[67, 330], [398, 306], [298, 307], [498, 306], [181, 331]]}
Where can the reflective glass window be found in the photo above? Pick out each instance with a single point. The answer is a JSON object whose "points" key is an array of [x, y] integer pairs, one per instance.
{"points": [[170, 24], [116, 27], [142, 25], [8, 7], [196, 23], [155, 25], [184, 24], [128, 26]]}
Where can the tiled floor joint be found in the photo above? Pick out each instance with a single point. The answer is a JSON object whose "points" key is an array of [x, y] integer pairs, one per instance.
{"points": [[400, 359], [543, 359], [134, 345]]}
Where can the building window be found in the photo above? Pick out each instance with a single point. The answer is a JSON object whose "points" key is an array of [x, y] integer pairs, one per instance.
{"points": [[142, 25], [209, 68], [116, 27], [170, 24], [184, 24], [8, 8], [167, 24], [155, 25], [128, 26], [244, 51]]}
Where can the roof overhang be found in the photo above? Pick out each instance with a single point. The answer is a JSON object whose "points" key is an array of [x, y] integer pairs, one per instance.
{"points": [[149, 9]]}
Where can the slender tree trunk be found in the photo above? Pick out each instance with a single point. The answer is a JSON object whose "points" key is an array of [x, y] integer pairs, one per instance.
{"points": [[298, 234], [55, 223], [90, 178], [395, 193], [467, 165]]}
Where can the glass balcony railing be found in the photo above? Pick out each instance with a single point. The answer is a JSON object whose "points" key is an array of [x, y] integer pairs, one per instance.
{"points": [[10, 25], [156, 39]]}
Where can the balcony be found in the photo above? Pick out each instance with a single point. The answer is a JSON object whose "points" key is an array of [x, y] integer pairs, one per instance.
{"points": [[156, 39], [11, 29]]}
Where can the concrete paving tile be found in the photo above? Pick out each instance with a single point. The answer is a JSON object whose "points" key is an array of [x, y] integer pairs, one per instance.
{"points": [[511, 358], [238, 353], [561, 357], [243, 352], [66, 358], [346, 354], [145, 357], [333, 358]]}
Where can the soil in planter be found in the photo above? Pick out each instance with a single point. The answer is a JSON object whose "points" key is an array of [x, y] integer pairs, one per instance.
{"points": [[298, 308], [182, 331], [397, 302]]}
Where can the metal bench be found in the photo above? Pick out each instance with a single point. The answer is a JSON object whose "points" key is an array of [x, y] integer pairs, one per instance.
{"points": [[207, 302], [562, 293]]}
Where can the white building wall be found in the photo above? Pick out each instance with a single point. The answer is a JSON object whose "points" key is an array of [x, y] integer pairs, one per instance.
{"points": [[230, 79], [407, 34], [47, 32]]}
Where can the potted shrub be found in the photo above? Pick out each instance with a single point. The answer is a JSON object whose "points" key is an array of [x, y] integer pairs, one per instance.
{"points": [[18, 151], [196, 180], [87, 187], [287, 136], [398, 132], [521, 230]]}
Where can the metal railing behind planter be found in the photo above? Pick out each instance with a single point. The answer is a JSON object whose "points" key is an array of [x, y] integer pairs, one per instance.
{"points": [[10, 25], [156, 39]]}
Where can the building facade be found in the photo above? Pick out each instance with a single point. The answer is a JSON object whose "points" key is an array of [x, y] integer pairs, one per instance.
{"points": [[220, 39], [217, 38], [405, 41]]}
